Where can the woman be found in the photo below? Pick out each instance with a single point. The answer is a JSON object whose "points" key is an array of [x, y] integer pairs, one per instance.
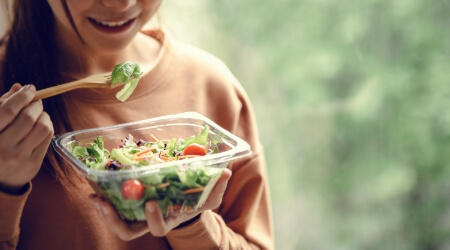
{"points": [[44, 204]]}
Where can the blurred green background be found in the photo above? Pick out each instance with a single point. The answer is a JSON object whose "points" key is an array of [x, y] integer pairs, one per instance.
{"points": [[351, 97]]}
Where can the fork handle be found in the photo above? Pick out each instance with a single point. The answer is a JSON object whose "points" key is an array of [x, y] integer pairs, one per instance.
{"points": [[58, 89]]}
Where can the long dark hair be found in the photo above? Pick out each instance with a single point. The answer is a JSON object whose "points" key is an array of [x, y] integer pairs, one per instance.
{"points": [[30, 57]]}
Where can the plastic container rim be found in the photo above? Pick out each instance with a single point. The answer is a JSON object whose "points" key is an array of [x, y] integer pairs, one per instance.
{"points": [[241, 149]]}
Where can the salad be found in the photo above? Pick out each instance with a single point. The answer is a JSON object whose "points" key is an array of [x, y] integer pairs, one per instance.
{"points": [[175, 189], [129, 73]]}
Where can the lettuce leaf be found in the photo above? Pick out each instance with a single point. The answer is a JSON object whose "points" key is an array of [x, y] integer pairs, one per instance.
{"points": [[129, 73]]}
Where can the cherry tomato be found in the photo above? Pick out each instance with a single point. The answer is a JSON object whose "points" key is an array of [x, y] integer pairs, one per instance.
{"points": [[132, 189], [195, 149]]}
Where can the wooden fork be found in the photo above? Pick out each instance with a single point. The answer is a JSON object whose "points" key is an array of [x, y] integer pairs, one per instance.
{"points": [[93, 81]]}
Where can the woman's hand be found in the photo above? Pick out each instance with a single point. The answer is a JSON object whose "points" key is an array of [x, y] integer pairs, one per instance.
{"points": [[156, 224], [25, 134]]}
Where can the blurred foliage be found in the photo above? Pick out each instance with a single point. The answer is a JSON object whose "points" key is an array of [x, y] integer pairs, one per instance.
{"points": [[351, 98]]}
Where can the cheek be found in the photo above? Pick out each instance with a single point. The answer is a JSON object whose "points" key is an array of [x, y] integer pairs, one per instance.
{"points": [[58, 12], [150, 7], [77, 7]]}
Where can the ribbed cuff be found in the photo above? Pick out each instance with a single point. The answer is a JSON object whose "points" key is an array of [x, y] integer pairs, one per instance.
{"points": [[11, 207], [204, 233], [188, 222]]}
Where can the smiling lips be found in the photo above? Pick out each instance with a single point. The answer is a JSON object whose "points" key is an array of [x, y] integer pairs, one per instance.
{"points": [[111, 26]]}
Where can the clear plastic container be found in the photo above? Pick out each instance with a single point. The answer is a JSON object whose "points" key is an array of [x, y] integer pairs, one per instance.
{"points": [[171, 199]]}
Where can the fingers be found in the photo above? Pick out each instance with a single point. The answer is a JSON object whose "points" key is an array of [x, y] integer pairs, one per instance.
{"points": [[160, 226], [32, 155], [24, 123], [114, 223], [40, 136], [155, 221], [10, 108], [41, 149], [13, 89], [216, 195], [30, 128]]}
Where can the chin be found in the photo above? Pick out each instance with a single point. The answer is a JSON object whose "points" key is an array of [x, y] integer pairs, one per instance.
{"points": [[110, 47]]}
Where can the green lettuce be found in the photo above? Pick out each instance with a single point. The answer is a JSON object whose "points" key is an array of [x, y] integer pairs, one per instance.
{"points": [[129, 73]]}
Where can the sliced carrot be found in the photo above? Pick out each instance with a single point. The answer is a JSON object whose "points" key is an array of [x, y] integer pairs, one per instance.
{"points": [[193, 190], [163, 185], [167, 158], [174, 209], [150, 149], [153, 137], [145, 157], [108, 163]]}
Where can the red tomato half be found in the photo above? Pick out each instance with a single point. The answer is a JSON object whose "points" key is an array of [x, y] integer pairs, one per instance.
{"points": [[132, 189], [195, 149]]}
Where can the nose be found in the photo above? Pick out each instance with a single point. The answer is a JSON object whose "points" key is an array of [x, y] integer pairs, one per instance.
{"points": [[118, 4]]}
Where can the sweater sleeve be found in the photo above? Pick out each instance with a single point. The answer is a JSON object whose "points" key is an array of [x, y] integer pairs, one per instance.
{"points": [[11, 207], [244, 218], [242, 223]]}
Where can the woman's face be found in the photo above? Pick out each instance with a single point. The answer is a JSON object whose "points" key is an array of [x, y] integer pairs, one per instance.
{"points": [[105, 26]]}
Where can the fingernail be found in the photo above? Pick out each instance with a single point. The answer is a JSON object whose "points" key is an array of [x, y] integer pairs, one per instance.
{"points": [[27, 87], [150, 208]]}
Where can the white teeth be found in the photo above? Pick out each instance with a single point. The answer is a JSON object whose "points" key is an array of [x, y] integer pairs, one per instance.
{"points": [[111, 24]]}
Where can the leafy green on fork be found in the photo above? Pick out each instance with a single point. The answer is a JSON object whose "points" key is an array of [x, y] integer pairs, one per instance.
{"points": [[128, 73]]}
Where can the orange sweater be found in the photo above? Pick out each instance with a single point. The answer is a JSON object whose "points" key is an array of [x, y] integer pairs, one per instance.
{"points": [[48, 216]]}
